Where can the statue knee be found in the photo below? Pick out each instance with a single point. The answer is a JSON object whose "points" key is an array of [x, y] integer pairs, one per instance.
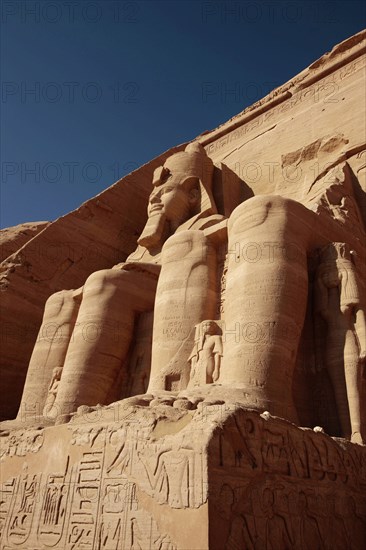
{"points": [[257, 210], [268, 215], [97, 280], [108, 283], [59, 297], [57, 302]]}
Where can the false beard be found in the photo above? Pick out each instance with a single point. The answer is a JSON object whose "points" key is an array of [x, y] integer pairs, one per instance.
{"points": [[155, 232]]}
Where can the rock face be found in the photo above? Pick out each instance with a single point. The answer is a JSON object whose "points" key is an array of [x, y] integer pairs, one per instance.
{"points": [[13, 238], [171, 384]]}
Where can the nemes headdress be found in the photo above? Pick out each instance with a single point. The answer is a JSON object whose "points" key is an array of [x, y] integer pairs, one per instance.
{"points": [[193, 162]]}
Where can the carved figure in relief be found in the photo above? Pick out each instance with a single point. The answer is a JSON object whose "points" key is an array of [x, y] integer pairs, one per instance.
{"points": [[356, 525], [206, 354], [338, 534], [309, 533], [241, 536], [275, 526], [170, 476], [52, 390], [338, 301]]}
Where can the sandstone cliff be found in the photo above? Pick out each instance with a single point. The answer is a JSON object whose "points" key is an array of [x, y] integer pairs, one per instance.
{"points": [[13, 238]]}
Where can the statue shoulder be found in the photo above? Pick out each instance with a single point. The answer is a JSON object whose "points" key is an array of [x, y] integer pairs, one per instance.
{"points": [[210, 221], [141, 254], [212, 226]]}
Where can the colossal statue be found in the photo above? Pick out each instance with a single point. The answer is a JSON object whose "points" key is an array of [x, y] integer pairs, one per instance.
{"points": [[86, 333], [261, 288]]}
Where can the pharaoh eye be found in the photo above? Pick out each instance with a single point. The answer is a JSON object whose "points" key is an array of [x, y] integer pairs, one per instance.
{"points": [[165, 175]]}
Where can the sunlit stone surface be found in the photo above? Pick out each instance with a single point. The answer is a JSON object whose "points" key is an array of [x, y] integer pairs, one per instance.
{"points": [[198, 378]]}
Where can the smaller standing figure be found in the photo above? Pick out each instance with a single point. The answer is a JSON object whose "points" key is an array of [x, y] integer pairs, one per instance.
{"points": [[52, 390], [206, 355], [339, 300]]}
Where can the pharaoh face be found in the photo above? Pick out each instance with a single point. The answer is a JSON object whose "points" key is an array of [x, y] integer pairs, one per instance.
{"points": [[170, 204], [171, 200], [176, 196]]}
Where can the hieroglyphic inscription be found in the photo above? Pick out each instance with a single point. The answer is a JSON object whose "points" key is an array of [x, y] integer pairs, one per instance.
{"points": [[6, 493], [321, 91], [84, 506], [117, 500], [85, 501], [291, 481], [312, 494], [53, 512], [23, 508], [277, 449]]}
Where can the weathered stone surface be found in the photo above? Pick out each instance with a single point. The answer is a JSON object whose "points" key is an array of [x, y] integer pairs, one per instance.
{"points": [[171, 385], [13, 238], [156, 475]]}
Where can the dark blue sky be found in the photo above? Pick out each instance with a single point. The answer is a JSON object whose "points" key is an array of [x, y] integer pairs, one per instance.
{"points": [[93, 89]]}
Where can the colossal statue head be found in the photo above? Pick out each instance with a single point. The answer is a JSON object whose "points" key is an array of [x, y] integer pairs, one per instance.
{"points": [[182, 189]]}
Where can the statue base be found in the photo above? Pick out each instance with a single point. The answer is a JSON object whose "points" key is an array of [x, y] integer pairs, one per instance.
{"points": [[171, 473]]}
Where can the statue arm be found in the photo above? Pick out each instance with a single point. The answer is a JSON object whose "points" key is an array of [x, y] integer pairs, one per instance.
{"points": [[217, 365], [218, 352], [350, 291], [218, 346], [152, 269]]}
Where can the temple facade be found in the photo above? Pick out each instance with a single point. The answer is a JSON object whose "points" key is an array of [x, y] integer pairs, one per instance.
{"points": [[191, 343]]}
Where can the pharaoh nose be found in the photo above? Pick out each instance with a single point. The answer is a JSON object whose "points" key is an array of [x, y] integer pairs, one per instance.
{"points": [[155, 198]]}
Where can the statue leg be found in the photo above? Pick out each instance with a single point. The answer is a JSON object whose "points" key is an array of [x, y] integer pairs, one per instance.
{"points": [[336, 366], [186, 295], [266, 299], [353, 383], [49, 352], [102, 336]]}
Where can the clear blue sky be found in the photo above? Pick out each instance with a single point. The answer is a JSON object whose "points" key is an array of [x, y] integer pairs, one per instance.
{"points": [[93, 89]]}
